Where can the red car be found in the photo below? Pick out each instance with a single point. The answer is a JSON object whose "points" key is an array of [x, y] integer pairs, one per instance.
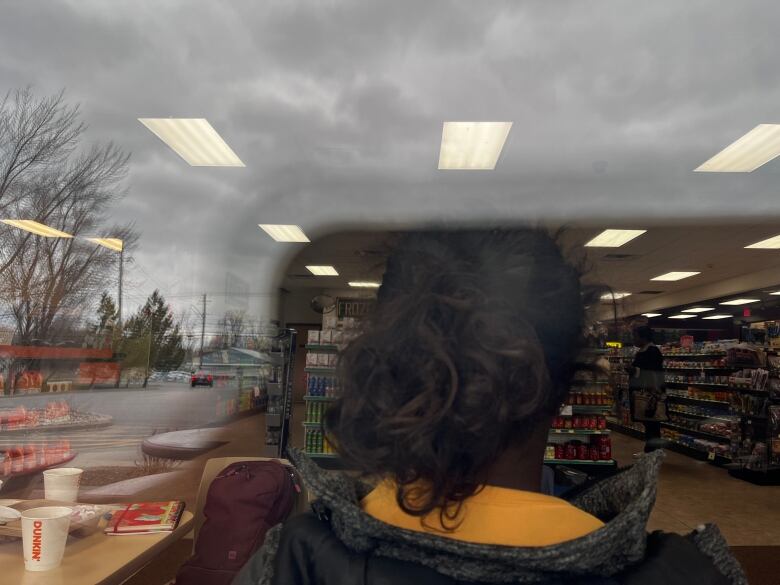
{"points": [[202, 378]]}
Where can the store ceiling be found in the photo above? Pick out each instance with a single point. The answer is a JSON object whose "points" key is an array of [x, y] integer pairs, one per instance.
{"points": [[714, 249]]}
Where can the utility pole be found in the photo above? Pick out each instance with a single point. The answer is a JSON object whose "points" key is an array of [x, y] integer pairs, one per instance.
{"points": [[202, 331], [119, 297]]}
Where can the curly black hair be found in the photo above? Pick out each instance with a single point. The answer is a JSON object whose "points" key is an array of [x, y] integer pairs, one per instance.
{"points": [[473, 343]]}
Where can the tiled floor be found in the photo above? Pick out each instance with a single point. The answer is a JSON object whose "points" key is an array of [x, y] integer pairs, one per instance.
{"points": [[693, 492]]}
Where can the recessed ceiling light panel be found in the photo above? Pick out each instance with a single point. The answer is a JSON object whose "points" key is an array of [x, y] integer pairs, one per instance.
{"points": [[713, 317], [473, 146], [772, 243], [361, 284], [195, 140], [36, 228], [747, 153], [672, 276], [613, 238], [322, 270], [698, 310], [740, 302], [682, 316], [284, 233], [616, 296], [651, 315]]}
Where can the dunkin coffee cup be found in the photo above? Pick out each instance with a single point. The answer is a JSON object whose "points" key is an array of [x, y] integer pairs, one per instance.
{"points": [[44, 533], [62, 484]]}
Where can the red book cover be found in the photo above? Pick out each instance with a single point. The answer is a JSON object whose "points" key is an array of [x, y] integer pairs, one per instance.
{"points": [[145, 518]]}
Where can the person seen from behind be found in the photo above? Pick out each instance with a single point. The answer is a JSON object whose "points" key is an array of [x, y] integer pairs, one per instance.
{"points": [[447, 398], [646, 373]]}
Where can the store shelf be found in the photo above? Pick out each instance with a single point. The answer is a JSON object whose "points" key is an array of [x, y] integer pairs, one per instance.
{"points": [[318, 370], [701, 416], [591, 408], [320, 398], [604, 462], [578, 432], [697, 453], [692, 399], [322, 347], [312, 425], [699, 369], [694, 355], [696, 432], [707, 384]]}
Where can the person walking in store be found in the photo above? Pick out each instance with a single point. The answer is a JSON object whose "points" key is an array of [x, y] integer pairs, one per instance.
{"points": [[447, 399], [646, 375]]}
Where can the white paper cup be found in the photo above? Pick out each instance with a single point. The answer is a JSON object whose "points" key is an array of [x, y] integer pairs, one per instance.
{"points": [[62, 484], [44, 533]]}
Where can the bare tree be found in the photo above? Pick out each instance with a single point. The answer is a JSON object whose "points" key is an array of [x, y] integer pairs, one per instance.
{"points": [[49, 284], [232, 325], [37, 135]]}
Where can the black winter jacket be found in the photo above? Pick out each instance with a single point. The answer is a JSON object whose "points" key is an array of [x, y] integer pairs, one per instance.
{"points": [[338, 544]]}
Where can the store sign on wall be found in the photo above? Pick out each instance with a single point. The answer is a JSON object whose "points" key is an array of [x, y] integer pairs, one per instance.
{"points": [[354, 308]]}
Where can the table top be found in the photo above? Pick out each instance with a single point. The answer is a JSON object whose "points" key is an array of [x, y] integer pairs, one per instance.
{"points": [[92, 559]]}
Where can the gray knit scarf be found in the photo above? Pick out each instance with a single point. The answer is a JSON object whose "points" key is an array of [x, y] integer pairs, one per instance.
{"points": [[623, 501]]}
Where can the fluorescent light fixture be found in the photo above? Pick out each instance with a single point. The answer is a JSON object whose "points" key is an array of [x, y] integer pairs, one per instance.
{"points": [[616, 296], [36, 228], [776, 293], [772, 243], [711, 317], [322, 270], [747, 153], [672, 276], [194, 140], [614, 238], [114, 244], [284, 233], [740, 302], [650, 315], [365, 284], [698, 310], [473, 146], [682, 316]]}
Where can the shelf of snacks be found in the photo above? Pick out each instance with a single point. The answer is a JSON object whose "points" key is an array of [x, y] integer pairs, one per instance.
{"points": [[577, 422], [694, 394], [701, 412], [596, 451], [579, 434], [701, 448], [718, 431]]}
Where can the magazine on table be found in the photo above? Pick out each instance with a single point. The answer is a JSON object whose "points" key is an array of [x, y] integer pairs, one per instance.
{"points": [[145, 518]]}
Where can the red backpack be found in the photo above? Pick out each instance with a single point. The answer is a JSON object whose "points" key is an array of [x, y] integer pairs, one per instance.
{"points": [[243, 502]]}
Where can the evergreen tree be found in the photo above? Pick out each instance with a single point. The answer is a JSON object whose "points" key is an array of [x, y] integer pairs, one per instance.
{"points": [[106, 314], [152, 335]]}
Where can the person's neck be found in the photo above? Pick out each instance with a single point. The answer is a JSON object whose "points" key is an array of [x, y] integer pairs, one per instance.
{"points": [[519, 467]]}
